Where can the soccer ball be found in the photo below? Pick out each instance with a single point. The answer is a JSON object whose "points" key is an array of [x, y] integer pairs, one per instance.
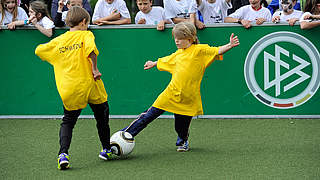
{"points": [[122, 143]]}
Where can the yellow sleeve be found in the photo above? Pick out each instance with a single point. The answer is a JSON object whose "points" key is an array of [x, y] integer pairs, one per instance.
{"points": [[47, 51], [90, 45], [209, 54], [167, 63]]}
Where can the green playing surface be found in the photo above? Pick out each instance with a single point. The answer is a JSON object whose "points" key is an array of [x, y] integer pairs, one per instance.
{"points": [[226, 149]]}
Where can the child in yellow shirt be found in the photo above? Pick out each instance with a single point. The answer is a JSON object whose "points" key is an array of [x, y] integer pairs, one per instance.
{"points": [[182, 96], [74, 58]]}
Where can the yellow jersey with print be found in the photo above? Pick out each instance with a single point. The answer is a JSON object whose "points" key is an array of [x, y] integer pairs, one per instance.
{"points": [[187, 66], [68, 54]]}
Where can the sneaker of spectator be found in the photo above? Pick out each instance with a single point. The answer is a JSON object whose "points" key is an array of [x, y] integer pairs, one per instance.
{"points": [[111, 12], [250, 13], [288, 14]]}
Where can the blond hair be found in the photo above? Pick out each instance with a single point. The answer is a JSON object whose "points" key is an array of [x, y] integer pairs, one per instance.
{"points": [[3, 9], [185, 30], [76, 15]]}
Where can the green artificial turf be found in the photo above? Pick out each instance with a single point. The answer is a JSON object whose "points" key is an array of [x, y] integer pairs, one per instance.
{"points": [[222, 149]]}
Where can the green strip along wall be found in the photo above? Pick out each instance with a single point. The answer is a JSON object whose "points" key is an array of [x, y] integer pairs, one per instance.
{"points": [[28, 86]]}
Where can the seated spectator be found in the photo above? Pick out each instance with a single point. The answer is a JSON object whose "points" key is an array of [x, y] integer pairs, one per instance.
{"points": [[40, 18], [311, 17], [12, 15], [180, 10], [55, 4], [250, 13], [150, 15], [212, 11], [111, 12], [275, 4], [59, 20], [288, 14]]}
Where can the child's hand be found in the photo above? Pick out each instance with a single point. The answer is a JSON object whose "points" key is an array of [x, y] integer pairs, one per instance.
{"points": [[33, 20], [142, 21], [234, 41], [292, 21], [96, 74], [246, 23], [308, 16], [276, 19], [11, 26], [199, 24], [149, 64], [259, 21], [160, 26], [61, 4]]}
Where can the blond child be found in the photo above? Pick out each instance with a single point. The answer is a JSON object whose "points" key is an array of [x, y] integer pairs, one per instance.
{"points": [[182, 95], [150, 15], [40, 18], [111, 12], [74, 58], [12, 15]]}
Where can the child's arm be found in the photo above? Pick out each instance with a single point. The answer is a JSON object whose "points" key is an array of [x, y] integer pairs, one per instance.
{"points": [[114, 16], [47, 32], [95, 71], [14, 24], [234, 41], [118, 22], [150, 64]]}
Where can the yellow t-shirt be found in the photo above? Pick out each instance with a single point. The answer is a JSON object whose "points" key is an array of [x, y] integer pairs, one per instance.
{"points": [[187, 66], [68, 53]]}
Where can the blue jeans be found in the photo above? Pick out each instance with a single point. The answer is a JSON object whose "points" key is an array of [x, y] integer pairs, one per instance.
{"points": [[182, 122]]}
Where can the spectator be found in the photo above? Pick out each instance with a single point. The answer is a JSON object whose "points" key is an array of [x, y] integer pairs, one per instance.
{"points": [[111, 12], [40, 18], [59, 20], [288, 14], [54, 7], [12, 15], [274, 5], [150, 15], [180, 10], [212, 11], [250, 13], [311, 17], [236, 4]]}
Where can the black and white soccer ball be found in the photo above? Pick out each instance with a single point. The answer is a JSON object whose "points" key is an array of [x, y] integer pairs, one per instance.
{"points": [[122, 143]]}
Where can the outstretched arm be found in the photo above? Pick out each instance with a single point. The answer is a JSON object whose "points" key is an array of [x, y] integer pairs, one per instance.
{"points": [[150, 64], [234, 41], [95, 71]]}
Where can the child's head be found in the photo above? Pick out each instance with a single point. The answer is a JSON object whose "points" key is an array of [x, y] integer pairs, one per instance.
{"points": [[77, 15], [38, 9], [10, 5], [312, 6], [287, 5], [71, 3], [186, 32], [109, 1], [144, 5], [255, 3]]}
